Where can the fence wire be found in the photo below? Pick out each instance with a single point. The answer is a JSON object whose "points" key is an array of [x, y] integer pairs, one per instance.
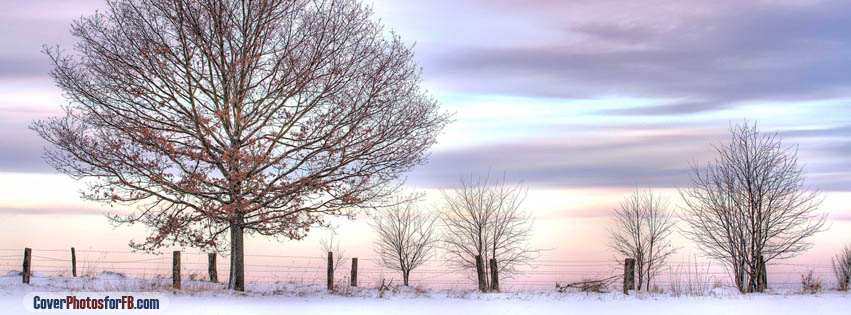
{"points": [[433, 274]]}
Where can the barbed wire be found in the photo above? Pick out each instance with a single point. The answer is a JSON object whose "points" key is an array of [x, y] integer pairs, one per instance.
{"points": [[306, 269]]}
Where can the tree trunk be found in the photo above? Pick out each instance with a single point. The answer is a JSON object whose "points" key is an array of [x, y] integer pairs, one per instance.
{"points": [[762, 281], [405, 275], [740, 277], [480, 274], [236, 280], [648, 274], [494, 276], [753, 273]]}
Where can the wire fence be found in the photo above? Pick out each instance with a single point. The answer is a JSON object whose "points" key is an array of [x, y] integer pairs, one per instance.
{"points": [[433, 274]]}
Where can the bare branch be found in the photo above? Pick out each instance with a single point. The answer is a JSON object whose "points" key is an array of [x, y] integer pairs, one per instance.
{"points": [[257, 116], [842, 268], [484, 218], [406, 236], [337, 255], [643, 224], [750, 206]]}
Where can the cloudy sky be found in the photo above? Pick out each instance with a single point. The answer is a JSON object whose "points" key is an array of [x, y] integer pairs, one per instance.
{"points": [[581, 100]]}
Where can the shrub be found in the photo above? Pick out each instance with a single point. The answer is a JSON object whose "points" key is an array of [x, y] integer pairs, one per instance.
{"points": [[842, 268], [810, 284]]}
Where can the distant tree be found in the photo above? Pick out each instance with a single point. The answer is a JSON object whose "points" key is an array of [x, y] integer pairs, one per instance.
{"points": [[485, 218], [237, 116], [842, 268], [407, 237], [643, 225], [750, 206]]}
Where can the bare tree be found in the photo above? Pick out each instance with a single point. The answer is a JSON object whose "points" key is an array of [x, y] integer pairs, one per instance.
{"points": [[643, 224], [406, 237], [329, 246], [842, 268], [485, 219], [237, 116], [750, 206]]}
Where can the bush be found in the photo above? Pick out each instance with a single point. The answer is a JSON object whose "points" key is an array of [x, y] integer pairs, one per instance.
{"points": [[810, 284], [842, 268]]}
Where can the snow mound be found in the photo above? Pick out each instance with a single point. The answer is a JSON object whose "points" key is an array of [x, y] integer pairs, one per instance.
{"points": [[12, 273], [109, 275]]}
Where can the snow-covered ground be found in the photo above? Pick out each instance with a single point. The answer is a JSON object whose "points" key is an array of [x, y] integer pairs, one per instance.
{"points": [[199, 297]]}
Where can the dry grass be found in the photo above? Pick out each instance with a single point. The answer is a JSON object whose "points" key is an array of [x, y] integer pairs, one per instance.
{"points": [[460, 294], [589, 285], [692, 280], [810, 283], [420, 289]]}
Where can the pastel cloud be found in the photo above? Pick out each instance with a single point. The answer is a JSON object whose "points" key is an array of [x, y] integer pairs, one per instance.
{"points": [[605, 93], [711, 57]]}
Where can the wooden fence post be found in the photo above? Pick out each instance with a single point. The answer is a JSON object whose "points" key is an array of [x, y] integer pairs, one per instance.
{"points": [[73, 262], [628, 275], [175, 269], [211, 267], [494, 276], [480, 274], [26, 268], [330, 271], [354, 271]]}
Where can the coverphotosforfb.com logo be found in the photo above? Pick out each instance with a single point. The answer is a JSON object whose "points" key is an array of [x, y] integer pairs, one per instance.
{"points": [[95, 301]]}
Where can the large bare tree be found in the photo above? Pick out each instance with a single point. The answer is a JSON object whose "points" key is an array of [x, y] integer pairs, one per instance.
{"points": [[643, 225], [237, 116], [751, 206], [407, 236], [485, 218]]}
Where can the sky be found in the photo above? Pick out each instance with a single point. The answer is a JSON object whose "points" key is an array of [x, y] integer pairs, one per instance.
{"points": [[582, 101]]}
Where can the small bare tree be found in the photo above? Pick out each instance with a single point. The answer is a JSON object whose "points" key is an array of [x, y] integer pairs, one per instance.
{"points": [[750, 206], [842, 268], [329, 246], [485, 219], [406, 237], [643, 224]]}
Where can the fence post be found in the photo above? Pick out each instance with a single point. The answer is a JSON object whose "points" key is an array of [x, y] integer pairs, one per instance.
{"points": [[354, 271], [73, 262], [330, 271], [26, 270], [211, 267], [628, 275], [494, 276], [175, 269], [480, 274]]}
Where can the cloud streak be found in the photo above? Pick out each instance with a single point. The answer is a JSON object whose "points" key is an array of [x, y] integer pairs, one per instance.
{"points": [[691, 59], [629, 161], [629, 156], [737, 53], [50, 211]]}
